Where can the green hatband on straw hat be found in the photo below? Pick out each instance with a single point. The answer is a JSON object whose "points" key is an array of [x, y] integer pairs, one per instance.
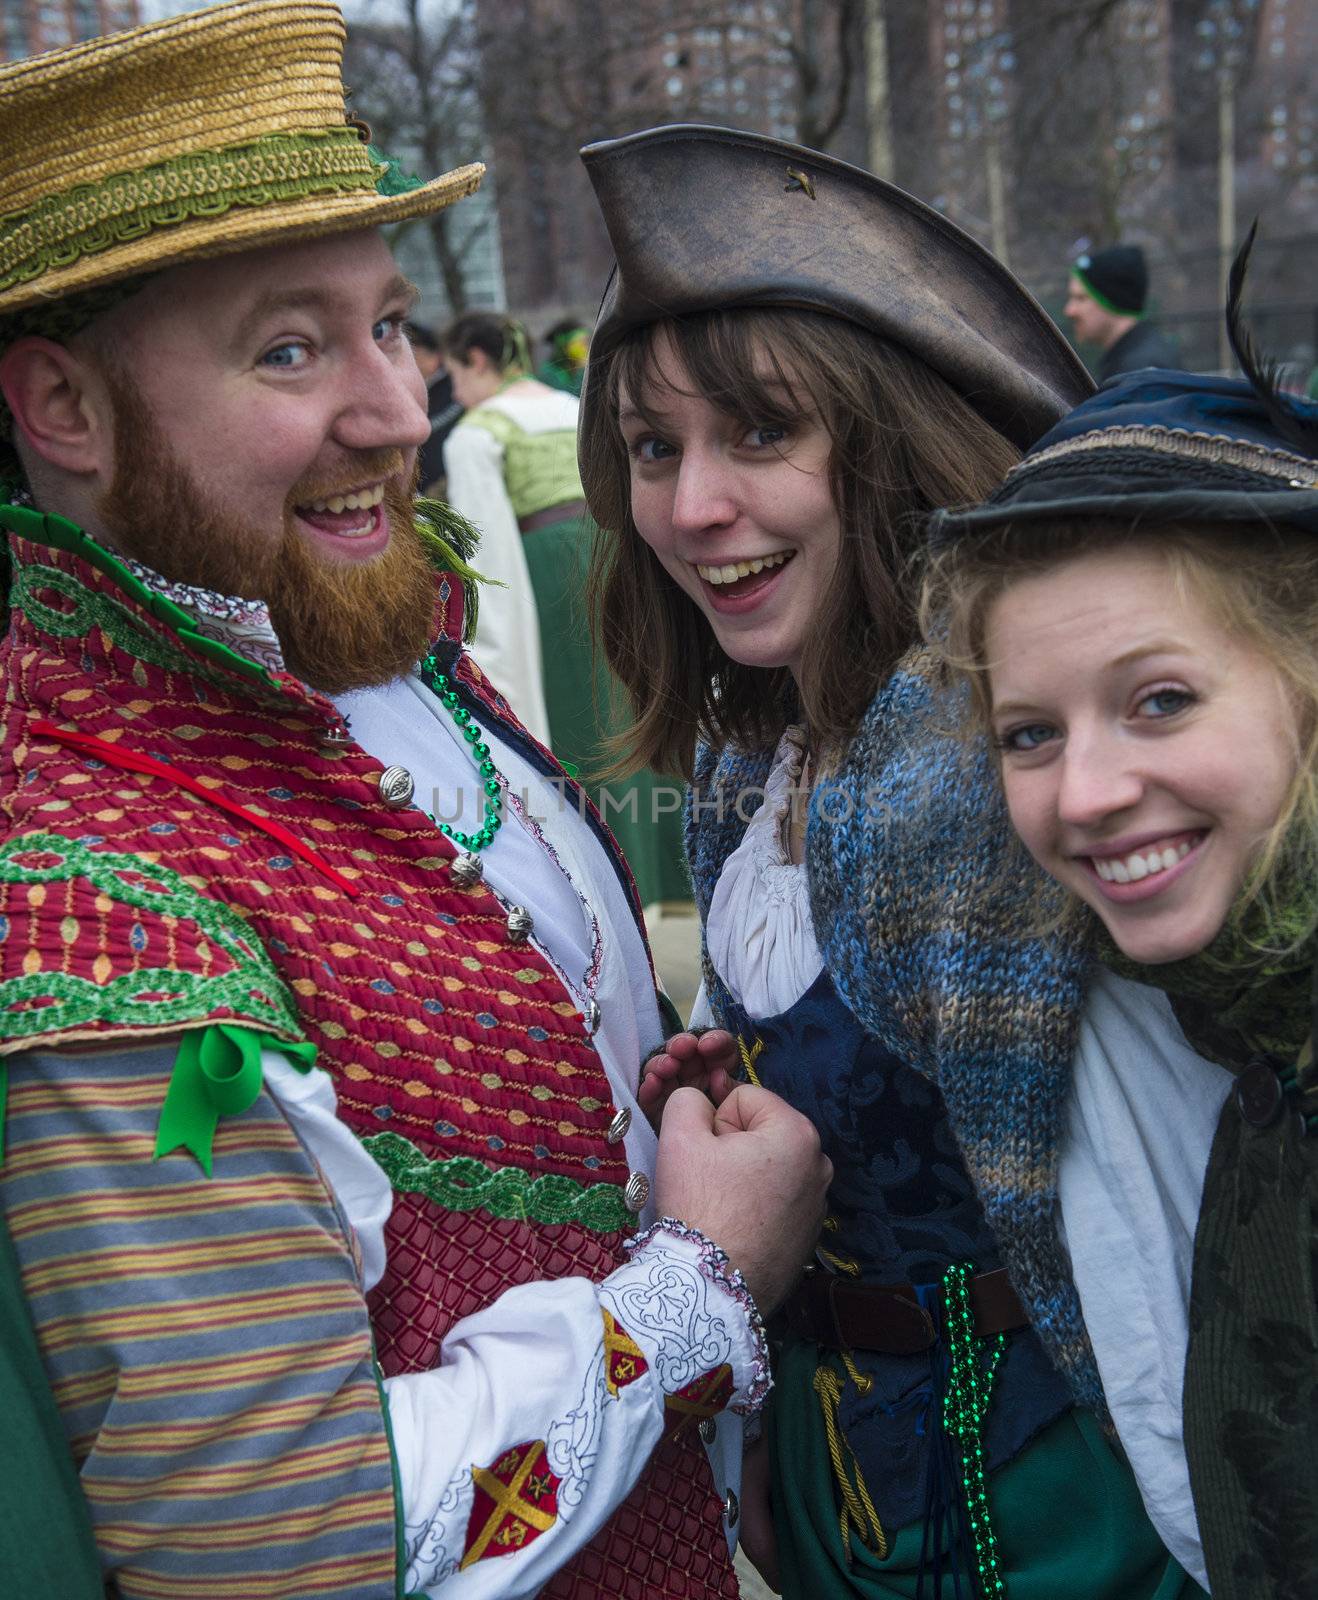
{"points": [[213, 132]]}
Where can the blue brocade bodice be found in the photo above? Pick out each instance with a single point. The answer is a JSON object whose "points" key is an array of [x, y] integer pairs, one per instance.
{"points": [[902, 1208]]}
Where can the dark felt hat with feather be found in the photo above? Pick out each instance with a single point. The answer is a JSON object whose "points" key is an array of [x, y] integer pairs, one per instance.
{"points": [[1158, 447]]}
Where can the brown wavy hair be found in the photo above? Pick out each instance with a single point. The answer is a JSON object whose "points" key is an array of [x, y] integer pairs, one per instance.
{"points": [[903, 442]]}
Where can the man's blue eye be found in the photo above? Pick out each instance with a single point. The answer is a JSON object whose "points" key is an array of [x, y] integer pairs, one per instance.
{"points": [[766, 438], [285, 355], [387, 328]]}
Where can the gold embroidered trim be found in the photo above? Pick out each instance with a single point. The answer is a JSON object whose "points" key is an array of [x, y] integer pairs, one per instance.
{"points": [[1211, 447]]}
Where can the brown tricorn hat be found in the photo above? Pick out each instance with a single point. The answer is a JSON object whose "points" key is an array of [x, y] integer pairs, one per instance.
{"points": [[707, 219]]}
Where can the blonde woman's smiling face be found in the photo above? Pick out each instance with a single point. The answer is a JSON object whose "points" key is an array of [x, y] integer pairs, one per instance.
{"points": [[1146, 751], [740, 516]]}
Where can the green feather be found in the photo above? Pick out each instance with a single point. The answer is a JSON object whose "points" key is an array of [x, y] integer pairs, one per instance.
{"points": [[452, 541]]}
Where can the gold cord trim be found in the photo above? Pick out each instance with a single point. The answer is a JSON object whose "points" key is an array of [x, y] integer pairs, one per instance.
{"points": [[843, 1264], [857, 1507], [749, 1058], [1300, 471]]}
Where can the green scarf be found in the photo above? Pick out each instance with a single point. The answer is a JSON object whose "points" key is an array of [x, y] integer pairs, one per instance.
{"points": [[1240, 998], [1251, 1375]]}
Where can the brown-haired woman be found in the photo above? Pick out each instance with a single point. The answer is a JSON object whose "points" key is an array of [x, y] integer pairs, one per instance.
{"points": [[794, 365], [511, 465]]}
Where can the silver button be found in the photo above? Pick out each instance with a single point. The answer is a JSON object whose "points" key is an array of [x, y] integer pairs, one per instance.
{"points": [[636, 1193], [708, 1430], [520, 924], [593, 1015], [396, 787], [467, 867], [622, 1120], [336, 737], [732, 1508]]}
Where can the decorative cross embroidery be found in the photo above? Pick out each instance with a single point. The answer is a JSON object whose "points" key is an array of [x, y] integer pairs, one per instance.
{"points": [[704, 1396], [623, 1361], [516, 1501]]}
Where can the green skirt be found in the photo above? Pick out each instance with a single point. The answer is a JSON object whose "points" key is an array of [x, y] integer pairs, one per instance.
{"points": [[644, 811], [46, 1543], [1066, 1511]]}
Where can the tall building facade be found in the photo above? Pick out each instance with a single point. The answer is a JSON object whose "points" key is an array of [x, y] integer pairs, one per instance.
{"points": [[559, 73], [27, 27]]}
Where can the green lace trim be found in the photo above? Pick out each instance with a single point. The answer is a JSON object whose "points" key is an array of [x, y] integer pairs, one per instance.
{"points": [[392, 180], [42, 528], [87, 610], [62, 228], [42, 1003], [461, 1183]]}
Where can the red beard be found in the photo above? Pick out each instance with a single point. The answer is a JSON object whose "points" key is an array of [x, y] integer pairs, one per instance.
{"points": [[341, 626]]}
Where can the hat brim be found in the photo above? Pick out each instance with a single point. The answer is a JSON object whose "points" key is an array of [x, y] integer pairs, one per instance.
{"points": [[242, 228], [1141, 509]]}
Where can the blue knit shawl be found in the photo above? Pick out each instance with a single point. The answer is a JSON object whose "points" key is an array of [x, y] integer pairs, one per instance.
{"points": [[926, 911]]}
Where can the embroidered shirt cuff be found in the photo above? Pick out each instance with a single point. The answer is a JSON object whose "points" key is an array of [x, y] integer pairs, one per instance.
{"points": [[680, 1294]]}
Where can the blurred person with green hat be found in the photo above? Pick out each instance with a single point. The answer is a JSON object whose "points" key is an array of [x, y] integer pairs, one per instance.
{"points": [[1105, 303], [568, 349]]}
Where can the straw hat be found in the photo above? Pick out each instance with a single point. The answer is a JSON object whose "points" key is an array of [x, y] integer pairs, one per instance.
{"points": [[217, 131]]}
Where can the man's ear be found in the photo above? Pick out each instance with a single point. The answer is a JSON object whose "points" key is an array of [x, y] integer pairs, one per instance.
{"points": [[60, 405]]}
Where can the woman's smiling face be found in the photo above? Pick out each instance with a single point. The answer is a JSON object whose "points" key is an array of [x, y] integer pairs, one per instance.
{"points": [[740, 516], [1146, 751]]}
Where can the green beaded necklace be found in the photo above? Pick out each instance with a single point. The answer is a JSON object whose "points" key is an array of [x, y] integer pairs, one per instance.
{"points": [[974, 1363], [492, 781]]}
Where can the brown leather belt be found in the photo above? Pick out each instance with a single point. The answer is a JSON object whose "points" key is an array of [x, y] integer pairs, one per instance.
{"points": [[563, 512], [888, 1317]]}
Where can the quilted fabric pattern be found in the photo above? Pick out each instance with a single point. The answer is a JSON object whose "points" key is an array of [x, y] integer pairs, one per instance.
{"points": [[444, 1265], [665, 1542]]}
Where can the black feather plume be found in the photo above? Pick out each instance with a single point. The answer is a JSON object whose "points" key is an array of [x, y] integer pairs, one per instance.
{"points": [[1261, 372]]}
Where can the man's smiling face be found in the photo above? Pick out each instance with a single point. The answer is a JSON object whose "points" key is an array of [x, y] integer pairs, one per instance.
{"points": [[267, 411]]}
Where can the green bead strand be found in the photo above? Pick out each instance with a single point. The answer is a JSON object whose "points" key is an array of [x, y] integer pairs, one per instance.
{"points": [[973, 1363], [491, 778]]}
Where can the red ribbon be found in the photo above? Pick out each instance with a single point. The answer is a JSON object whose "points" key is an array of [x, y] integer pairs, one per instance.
{"points": [[130, 761]]}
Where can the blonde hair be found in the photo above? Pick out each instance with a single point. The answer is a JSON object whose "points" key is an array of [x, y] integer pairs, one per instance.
{"points": [[1261, 585]]}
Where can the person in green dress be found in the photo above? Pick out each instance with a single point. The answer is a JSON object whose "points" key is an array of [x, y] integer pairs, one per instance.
{"points": [[511, 465]]}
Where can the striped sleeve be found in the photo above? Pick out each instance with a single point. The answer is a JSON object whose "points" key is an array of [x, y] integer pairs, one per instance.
{"points": [[206, 1341]]}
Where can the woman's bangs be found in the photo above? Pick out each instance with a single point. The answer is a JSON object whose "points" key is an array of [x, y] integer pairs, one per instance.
{"points": [[733, 360]]}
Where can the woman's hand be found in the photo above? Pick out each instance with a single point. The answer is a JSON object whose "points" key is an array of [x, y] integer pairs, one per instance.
{"points": [[758, 1541], [688, 1060]]}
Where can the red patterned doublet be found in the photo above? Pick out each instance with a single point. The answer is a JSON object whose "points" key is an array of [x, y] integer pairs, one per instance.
{"points": [[457, 1054]]}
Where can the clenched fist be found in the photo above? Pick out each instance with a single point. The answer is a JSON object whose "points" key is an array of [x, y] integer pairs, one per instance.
{"points": [[749, 1173]]}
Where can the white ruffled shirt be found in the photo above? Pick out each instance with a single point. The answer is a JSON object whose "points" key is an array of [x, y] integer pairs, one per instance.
{"points": [[1140, 1118], [758, 931], [1141, 1113]]}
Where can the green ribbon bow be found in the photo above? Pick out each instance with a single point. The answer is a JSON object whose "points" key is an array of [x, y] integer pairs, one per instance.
{"points": [[217, 1073]]}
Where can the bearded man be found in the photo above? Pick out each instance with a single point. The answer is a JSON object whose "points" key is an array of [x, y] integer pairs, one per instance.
{"points": [[310, 988]]}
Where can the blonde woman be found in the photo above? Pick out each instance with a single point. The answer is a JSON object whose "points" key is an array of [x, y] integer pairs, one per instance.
{"points": [[1136, 612]]}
